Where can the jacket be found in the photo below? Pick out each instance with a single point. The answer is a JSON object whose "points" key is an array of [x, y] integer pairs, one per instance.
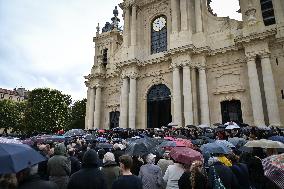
{"points": [[111, 172], [151, 176], [35, 182]]}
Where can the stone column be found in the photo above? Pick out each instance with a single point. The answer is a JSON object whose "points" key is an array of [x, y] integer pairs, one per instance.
{"points": [[255, 94], [198, 16], [124, 104], [97, 117], [270, 91], [187, 96], [204, 105], [91, 101], [194, 97], [87, 109], [177, 96], [183, 15], [133, 25], [126, 27], [132, 103], [174, 7]]}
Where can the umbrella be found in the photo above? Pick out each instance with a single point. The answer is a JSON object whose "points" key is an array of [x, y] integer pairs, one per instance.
{"points": [[183, 143], [118, 129], [158, 151], [203, 126], [230, 127], [225, 143], [101, 139], [277, 138], [104, 145], [214, 148], [9, 140], [185, 155], [75, 132], [181, 136], [136, 149], [191, 126], [263, 127], [172, 124], [90, 137], [263, 143], [167, 144], [237, 141], [16, 157], [231, 123], [274, 169]]}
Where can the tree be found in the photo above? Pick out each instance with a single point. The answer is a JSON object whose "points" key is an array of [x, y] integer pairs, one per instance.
{"points": [[10, 114], [46, 111], [77, 115]]}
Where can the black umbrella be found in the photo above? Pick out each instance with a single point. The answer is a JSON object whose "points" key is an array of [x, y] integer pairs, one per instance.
{"points": [[75, 132], [136, 149], [89, 137], [104, 145]]}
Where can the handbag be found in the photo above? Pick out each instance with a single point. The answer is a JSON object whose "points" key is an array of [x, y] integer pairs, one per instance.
{"points": [[217, 181]]}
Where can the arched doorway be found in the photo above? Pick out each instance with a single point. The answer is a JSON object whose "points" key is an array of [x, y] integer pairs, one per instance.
{"points": [[158, 106], [114, 119], [231, 111]]}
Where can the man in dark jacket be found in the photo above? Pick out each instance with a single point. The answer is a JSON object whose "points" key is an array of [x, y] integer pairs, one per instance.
{"points": [[225, 174], [29, 179], [89, 177], [75, 163]]}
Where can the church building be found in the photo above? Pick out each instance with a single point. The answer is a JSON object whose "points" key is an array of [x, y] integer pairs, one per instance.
{"points": [[175, 61]]}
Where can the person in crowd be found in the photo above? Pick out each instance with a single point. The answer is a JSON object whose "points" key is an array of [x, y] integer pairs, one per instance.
{"points": [[89, 177], [151, 174], [165, 162], [110, 169], [29, 179], [219, 170], [271, 151], [75, 163], [59, 167], [241, 172], [127, 180], [8, 181], [42, 166], [173, 174], [117, 151], [101, 153], [137, 163], [194, 177]]}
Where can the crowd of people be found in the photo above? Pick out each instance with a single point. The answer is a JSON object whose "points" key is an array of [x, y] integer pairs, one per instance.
{"points": [[81, 164]]}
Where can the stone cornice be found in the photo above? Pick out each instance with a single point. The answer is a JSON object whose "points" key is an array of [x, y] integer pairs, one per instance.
{"points": [[127, 63], [154, 61], [270, 31], [128, 3]]}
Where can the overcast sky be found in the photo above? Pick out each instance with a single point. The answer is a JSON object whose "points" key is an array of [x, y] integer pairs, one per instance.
{"points": [[48, 43]]}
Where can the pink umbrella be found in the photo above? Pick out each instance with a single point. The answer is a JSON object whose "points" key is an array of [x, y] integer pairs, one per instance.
{"points": [[185, 155], [183, 143]]}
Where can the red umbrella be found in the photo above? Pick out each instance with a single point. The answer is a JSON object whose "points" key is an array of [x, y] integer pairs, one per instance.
{"points": [[183, 143], [185, 155]]}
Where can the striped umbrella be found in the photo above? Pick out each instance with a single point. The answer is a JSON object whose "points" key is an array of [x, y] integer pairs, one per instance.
{"points": [[274, 169]]}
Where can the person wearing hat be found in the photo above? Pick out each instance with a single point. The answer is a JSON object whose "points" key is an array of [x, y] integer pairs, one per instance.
{"points": [[59, 166], [89, 177], [151, 174]]}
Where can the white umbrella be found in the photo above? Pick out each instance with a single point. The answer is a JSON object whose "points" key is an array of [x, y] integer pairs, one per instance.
{"points": [[230, 127], [264, 143], [10, 141], [172, 124], [203, 126]]}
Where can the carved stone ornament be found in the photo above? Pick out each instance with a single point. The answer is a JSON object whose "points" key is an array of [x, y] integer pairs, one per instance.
{"points": [[250, 13]]}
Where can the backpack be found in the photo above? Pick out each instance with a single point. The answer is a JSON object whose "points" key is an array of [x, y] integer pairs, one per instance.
{"points": [[217, 181]]}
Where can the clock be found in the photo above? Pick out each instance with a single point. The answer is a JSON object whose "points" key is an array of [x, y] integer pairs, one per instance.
{"points": [[159, 23]]}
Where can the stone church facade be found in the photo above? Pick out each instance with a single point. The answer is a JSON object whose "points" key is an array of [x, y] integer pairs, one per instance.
{"points": [[176, 61]]}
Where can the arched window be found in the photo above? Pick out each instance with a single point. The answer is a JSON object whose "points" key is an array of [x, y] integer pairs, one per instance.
{"points": [[159, 34]]}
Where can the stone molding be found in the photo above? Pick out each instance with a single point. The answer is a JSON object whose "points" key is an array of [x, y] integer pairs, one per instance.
{"points": [[269, 32]]}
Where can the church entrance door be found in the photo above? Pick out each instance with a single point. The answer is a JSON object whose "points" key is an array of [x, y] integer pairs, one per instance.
{"points": [[114, 119], [158, 106], [231, 111]]}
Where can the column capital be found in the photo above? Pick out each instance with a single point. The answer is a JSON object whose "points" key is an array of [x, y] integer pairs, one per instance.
{"points": [[133, 75], [186, 64], [265, 55], [98, 86], [201, 68], [250, 57], [174, 66], [124, 76]]}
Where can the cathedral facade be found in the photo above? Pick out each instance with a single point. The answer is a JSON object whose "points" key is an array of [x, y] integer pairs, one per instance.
{"points": [[176, 62]]}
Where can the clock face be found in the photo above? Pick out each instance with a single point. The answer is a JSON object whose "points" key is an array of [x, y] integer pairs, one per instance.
{"points": [[159, 24]]}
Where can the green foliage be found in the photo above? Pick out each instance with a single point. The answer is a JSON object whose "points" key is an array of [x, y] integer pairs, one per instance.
{"points": [[47, 111], [10, 114], [77, 115]]}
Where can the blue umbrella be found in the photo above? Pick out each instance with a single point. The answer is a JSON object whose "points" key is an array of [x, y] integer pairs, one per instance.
{"points": [[214, 148], [16, 157], [237, 141], [167, 144], [277, 138]]}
